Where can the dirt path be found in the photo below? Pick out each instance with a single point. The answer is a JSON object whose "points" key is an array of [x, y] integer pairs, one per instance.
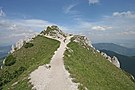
{"points": [[56, 77]]}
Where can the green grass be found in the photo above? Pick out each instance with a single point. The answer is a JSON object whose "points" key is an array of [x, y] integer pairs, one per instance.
{"points": [[93, 71], [40, 53]]}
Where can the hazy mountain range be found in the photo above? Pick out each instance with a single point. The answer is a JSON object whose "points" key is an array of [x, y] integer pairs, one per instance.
{"points": [[115, 48]]}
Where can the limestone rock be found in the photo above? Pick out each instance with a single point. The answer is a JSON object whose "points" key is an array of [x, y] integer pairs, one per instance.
{"points": [[116, 62], [20, 43], [113, 60], [82, 40], [54, 32]]}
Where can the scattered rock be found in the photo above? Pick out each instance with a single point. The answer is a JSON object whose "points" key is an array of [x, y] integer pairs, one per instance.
{"points": [[113, 60]]}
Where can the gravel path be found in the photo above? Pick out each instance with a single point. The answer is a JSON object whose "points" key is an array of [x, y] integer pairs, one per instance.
{"points": [[56, 77]]}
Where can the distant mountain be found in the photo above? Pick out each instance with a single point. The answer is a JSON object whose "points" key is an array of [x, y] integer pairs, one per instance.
{"points": [[5, 48], [115, 48], [127, 62]]}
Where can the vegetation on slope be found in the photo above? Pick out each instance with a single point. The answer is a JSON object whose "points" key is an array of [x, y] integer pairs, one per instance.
{"points": [[15, 77], [28, 45], [93, 71], [10, 60], [127, 62]]}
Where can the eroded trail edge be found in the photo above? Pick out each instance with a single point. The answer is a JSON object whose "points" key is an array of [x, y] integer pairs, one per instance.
{"points": [[54, 76]]}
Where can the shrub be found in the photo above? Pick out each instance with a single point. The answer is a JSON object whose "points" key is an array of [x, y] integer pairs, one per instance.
{"points": [[28, 45], [10, 60], [18, 72], [21, 69], [6, 77]]}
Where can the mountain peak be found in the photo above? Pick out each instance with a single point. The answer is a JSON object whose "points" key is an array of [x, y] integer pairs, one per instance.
{"points": [[53, 31], [83, 40]]}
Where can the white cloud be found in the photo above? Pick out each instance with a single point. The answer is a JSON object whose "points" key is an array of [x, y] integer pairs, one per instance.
{"points": [[116, 27], [15, 29], [21, 24], [128, 14], [2, 13], [93, 1], [70, 10], [101, 28], [33, 23], [128, 33]]}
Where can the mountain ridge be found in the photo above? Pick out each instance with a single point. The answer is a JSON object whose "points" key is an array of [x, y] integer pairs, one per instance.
{"points": [[85, 64]]}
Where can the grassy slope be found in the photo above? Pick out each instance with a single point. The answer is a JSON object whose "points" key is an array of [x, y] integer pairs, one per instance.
{"points": [[127, 62], [93, 71], [41, 53]]}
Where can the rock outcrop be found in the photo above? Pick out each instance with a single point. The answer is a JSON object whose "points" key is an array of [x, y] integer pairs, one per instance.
{"points": [[54, 32], [82, 40], [114, 60], [20, 43]]}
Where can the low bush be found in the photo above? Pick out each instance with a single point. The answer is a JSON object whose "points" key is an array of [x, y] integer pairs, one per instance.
{"points": [[10, 60], [6, 76], [28, 45]]}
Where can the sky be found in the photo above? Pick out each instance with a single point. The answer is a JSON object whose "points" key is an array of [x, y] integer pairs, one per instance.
{"points": [[100, 20]]}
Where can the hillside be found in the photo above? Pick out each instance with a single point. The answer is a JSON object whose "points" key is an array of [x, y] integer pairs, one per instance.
{"points": [[28, 59], [40, 64], [127, 62], [115, 48], [93, 71]]}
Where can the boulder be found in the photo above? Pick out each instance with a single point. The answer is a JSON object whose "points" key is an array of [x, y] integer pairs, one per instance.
{"points": [[115, 61]]}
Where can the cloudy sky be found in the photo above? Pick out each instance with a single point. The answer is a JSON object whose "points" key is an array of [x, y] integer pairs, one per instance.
{"points": [[100, 20]]}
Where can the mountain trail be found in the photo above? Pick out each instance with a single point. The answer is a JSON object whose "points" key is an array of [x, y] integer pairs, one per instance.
{"points": [[54, 76]]}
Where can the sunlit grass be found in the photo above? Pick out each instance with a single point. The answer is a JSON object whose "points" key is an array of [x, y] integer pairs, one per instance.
{"points": [[93, 71], [40, 53]]}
